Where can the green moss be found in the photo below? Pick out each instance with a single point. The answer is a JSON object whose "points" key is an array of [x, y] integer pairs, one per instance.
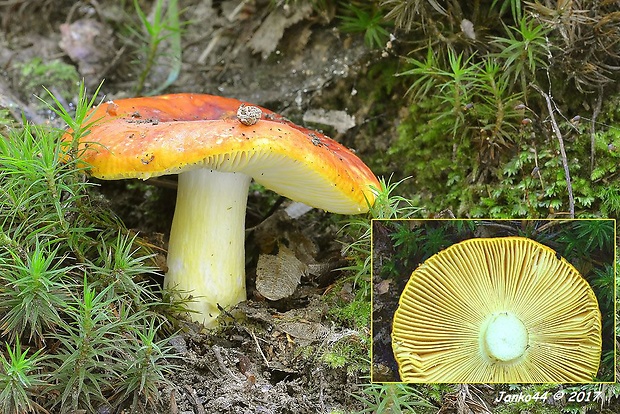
{"points": [[37, 74], [350, 352], [523, 179], [367, 18], [73, 282], [354, 314]]}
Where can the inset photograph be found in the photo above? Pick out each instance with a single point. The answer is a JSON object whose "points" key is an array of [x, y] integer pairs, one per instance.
{"points": [[493, 301]]}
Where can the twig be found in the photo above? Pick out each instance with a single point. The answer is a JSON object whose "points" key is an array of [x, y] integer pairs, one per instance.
{"points": [[558, 134], [259, 348], [595, 112], [537, 169], [215, 38], [174, 408], [220, 360], [231, 17], [197, 403]]}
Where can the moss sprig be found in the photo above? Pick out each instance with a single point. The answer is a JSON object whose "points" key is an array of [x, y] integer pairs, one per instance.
{"points": [[77, 294]]}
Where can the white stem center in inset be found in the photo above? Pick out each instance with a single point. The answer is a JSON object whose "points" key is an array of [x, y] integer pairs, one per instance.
{"points": [[505, 338]]}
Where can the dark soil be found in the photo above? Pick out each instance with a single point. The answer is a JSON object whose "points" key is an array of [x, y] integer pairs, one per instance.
{"points": [[254, 365]]}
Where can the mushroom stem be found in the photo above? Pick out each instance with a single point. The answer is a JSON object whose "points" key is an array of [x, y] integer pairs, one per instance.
{"points": [[505, 338], [206, 253]]}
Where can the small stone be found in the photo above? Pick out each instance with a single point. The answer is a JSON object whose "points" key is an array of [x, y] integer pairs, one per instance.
{"points": [[179, 344]]}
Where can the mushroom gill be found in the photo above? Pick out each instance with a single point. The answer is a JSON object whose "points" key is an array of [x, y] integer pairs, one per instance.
{"points": [[500, 310]]}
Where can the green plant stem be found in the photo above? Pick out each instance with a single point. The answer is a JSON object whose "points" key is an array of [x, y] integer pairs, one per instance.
{"points": [[150, 60], [163, 24], [175, 45]]}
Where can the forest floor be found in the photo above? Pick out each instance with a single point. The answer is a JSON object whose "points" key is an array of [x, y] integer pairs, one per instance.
{"points": [[285, 356], [267, 359]]}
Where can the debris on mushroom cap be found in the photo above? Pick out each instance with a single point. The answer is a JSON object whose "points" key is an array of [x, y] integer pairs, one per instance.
{"points": [[497, 310], [248, 114], [152, 136]]}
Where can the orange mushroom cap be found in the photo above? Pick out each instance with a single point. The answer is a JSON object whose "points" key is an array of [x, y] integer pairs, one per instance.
{"points": [[217, 145], [170, 134]]}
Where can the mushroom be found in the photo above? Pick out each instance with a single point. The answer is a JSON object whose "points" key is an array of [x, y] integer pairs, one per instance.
{"points": [[497, 310], [201, 138]]}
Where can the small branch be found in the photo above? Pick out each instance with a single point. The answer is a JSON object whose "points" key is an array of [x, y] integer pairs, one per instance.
{"points": [[558, 134], [220, 360], [259, 348], [195, 399]]}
